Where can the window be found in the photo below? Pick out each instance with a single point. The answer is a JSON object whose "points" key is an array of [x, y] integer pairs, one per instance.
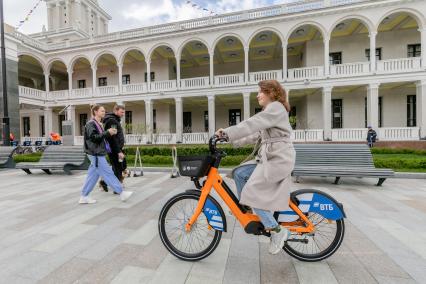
{"points": [[335, 58], [234, 116], [102, 81], [414, 50], [411, 111], [187, 122], [42, 127], [292, 117], [154, 120], [206, 121], [81, 84], [125, 79], [366, 112], [61, 118], [83, 121], [152, 77], [337, 113], [258, 109], [27, 126], [128, 120], [378, 53]]}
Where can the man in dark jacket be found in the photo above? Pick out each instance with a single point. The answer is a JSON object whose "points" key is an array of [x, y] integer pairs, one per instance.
{"points": [[116, 142], [371, 136]]}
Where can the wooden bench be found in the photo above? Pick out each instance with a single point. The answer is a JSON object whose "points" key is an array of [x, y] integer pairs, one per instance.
{"points": [[337, 160], [64, 158], [6, 160]]}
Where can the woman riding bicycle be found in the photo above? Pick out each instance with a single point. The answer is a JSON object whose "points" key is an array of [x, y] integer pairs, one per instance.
{"points": [[266, 180]]}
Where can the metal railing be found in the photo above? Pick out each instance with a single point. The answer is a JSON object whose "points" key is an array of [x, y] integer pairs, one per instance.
{"points": [[258, 13]]}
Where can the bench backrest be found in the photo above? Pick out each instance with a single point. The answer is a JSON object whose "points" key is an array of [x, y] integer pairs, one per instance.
{"points": [[65, 154], [5, 153], [351, 155]]}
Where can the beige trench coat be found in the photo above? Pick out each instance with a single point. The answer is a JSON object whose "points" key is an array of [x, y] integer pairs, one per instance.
{"points": [[269, 186]]}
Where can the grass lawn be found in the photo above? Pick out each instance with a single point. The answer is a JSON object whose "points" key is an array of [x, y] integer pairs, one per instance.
{"points": [[399, 161]]}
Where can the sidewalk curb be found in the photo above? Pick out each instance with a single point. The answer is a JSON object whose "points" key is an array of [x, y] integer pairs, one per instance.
{"points": [[409, 175], [402, 175]]}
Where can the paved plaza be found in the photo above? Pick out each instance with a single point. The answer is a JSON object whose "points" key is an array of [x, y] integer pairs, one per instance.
{"points": [[46, 237]]}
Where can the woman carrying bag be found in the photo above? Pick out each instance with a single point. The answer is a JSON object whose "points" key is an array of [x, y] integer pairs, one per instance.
{"points": [[96, 148]]}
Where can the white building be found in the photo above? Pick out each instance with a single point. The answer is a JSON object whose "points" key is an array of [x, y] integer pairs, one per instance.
{"points": [[345, 63]]}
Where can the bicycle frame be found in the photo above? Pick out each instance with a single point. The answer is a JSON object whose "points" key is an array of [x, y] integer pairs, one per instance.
{"points": [[214, 180]]}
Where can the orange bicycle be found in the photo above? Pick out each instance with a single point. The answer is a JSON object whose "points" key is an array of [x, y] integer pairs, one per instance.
{"points": [[191, 223]]}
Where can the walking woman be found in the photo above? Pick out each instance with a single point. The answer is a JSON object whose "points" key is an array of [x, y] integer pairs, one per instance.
{"points": [[96, 148], [264, 183]]}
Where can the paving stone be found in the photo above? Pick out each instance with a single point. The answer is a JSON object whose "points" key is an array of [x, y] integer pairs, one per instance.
{"points": [[172, 270], [46, 237], [276, 268], [68, 272], [132, 274]]}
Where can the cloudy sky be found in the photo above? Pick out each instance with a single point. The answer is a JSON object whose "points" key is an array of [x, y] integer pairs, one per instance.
{"points": [[127, 14]]}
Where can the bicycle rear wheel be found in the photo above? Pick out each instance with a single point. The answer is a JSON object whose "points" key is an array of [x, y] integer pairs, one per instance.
{"points": [[323, 242], [194, 245]]}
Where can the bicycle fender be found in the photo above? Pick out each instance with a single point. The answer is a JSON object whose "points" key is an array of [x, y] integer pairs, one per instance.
{"points": [[213, 212], [324, 205]]}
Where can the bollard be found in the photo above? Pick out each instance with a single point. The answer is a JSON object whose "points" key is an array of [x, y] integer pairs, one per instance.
{"points": [[175, 169]]}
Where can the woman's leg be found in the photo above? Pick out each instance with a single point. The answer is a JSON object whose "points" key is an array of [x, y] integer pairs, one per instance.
{"points": [[92, 177], [241, 176], [108, 176], [267, 218]]}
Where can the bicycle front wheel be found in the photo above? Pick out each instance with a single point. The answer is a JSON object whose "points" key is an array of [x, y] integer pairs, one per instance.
{"points": [[194, 245]]}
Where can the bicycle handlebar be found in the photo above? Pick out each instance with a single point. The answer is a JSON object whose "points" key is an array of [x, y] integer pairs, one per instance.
{"points": [[213, 141]]}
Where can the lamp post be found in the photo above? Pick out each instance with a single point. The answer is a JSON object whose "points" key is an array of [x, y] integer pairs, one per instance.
{"points": [[5, 121]]}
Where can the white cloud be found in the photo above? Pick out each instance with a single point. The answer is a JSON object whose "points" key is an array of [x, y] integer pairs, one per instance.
{"points": [[128, 14], [16, 10]]}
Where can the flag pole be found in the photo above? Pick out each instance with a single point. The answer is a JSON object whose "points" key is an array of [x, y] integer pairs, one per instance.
{"points": [[5, 120]]}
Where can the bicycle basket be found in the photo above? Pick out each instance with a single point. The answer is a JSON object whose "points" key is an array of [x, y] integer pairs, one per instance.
{"points": [[194, 166]]}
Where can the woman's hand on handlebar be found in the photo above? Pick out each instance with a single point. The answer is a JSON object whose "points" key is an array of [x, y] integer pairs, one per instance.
{"points": [[220, 133]]}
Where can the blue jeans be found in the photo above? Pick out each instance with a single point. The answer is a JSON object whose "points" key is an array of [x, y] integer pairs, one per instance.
{"points": [[103, 170], [241, 176]]}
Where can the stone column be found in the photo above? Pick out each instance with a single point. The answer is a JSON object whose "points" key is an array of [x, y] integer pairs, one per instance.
{"points": [[178, 72], [212, 116], [70, 71], [421, 107], [98, 25], [50, 17], [285, 61], [58, 15], [211, 54], [246, 100], [246, 64], [68, 11], [373, 51], [94, 83], [326, 55], [148, 75], [373, 105], [120, 78], [326, 111], [46, 82], [148, 120], [179, 120], [423, 46], [48, 121], [89, 21], [77, 14]]}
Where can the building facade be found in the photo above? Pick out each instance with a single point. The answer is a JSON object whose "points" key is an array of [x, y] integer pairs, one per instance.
{"points": [[346, 64]]}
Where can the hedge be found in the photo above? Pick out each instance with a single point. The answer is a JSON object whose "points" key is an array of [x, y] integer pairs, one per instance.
{"points": [[396, 159], [187, 150]]}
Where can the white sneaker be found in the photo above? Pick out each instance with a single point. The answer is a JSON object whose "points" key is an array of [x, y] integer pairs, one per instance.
{"points": [[278, 240], [124, 195], [86, 200]]}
